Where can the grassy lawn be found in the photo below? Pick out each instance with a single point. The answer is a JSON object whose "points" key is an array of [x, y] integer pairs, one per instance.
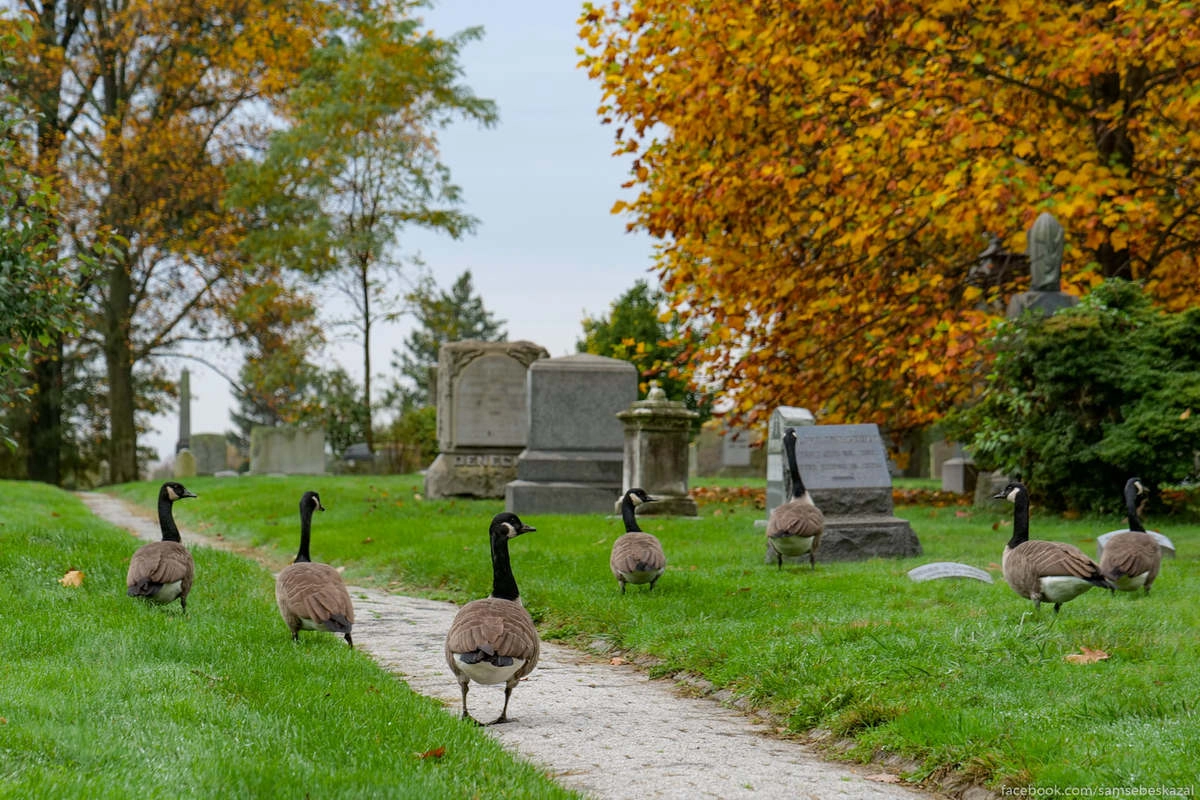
{"points": [[104, 696], [959, 675]]}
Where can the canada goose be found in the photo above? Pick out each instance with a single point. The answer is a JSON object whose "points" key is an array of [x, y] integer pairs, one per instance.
{"points": [[1052, 571], [1131, 559], [163, 571], [795, 526], [637, 556], [312, 596], [493, 640]]}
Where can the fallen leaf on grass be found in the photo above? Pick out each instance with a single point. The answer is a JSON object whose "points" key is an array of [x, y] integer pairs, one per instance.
{"points": [[436, 752], [416, 496], [367, 540], [884, 777], [73, 578], [961, 513], [1086, 655]]}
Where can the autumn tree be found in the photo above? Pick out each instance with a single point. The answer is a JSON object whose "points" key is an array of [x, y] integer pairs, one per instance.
{"points": [[141, 107], [359, 161], [638, 329], [441, 316], [821, 176], [37, 301]]}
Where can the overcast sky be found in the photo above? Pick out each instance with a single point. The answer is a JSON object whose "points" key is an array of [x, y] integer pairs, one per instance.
{"points": [[541, 183]]}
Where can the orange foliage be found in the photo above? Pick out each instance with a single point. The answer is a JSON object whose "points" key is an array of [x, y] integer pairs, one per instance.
{"points": [[821, 176]]}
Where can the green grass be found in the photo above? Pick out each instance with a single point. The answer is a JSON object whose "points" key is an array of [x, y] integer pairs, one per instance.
{"points": [[104, 696], [959, 675]]}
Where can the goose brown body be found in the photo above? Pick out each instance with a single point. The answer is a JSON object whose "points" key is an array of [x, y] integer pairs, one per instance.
{"points": [[310, 595], [637, 556], [1131, 559], [163, 571], [1043, 571], [795, 526], [493, 640]]}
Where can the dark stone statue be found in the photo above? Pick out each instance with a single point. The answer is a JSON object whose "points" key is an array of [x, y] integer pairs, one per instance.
{"points": [[1045, 248]]}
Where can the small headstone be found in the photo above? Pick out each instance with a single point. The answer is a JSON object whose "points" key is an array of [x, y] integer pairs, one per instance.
{"points": [[211, 451], [1164, 544], [656, 453], [940, 452], [844, 468], [482, 416], [948, 569], [287, 451], [574, 459], [185, 464], [226, 473], [782, 418], [725, 452], [959, 475]]}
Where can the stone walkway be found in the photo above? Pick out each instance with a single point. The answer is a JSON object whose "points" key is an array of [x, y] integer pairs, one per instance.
{"points": [[606, 731]]}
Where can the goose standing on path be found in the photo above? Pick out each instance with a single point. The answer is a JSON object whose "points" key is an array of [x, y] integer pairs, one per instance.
{"points": [[162, 571], [795, 526], [637, 556], [1054, 572], [1131, 559], [312, 596], [493, 640]]}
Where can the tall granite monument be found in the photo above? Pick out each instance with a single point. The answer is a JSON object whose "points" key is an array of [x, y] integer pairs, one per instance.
{"points": [[573, 461], [482, 416]]}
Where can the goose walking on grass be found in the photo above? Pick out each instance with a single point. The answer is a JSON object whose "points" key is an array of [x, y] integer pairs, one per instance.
{"points": [[493, 640], [312, 596], [1053, 572], [163, 571], [1131, 559], [795, 526], [637, 556]]}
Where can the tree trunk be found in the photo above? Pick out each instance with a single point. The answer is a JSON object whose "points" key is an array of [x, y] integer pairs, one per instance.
{"points": [[44, 435], [1116, 149], [366, 328], [118, 358]]}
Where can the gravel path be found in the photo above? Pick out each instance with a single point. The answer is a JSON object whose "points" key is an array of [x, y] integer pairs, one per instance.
{"points": [[607, 731]]}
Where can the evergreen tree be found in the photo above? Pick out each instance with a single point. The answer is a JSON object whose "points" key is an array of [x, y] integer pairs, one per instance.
{"points": [[441, 317], [636, 331]]}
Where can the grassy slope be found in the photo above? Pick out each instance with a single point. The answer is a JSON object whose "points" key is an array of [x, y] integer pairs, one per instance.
{"points": [[958, 674], [103, 696]]}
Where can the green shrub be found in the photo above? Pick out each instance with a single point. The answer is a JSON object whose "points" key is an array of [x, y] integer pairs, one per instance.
{"points": [[1080, 401]]}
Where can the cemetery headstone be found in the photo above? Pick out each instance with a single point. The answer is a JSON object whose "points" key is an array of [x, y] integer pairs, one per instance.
{"points": [[211, 451], [185, 464], [959, 476], [573, 461], [940, 452], [844, 468], [729, 452], [287, 451], [948, 569], [782, 418], [656, 453], [482, 416]]}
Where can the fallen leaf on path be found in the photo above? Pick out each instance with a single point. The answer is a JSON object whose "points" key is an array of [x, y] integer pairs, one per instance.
{"points": [[1086, 655], [884, 777], [616, 661], [73, 578], [436, 752]]}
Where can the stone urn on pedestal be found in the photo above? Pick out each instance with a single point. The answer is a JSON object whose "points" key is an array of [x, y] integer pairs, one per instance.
{"points": [[656, 453]]}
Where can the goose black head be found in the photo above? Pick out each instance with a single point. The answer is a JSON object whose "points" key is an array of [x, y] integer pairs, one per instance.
{"points": [[311, 499], [172, 490], [1138, 487], [1012, 492], [638, 496], [789, 435], [508, 525]]}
